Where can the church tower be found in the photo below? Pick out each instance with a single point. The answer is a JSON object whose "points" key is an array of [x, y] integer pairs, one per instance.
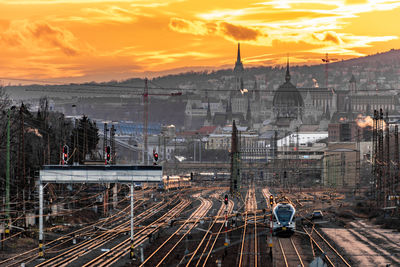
{"points": [[208, 120], [238, 70]]}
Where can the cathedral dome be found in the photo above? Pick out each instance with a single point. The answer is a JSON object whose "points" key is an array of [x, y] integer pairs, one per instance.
{"points": [[287, 94]]}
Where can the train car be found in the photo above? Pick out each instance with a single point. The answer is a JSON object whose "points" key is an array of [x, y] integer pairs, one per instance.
{"points": [[175, 182], [284, 224]]}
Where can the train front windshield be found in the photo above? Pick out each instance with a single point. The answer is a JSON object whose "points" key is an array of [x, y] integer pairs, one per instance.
{"points": [[284, 215]]}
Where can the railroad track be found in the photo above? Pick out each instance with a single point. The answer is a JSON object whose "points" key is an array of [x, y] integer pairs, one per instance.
{"points": [[184, 229], [31, 255], [117, 252], [289, 252], [87, 230], [97, 241], [248, 255], [208, 233], [212, 245], [318, 242]]}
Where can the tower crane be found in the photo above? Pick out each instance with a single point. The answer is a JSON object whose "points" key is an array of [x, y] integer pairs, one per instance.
{"points": [[326, 60], [146, 115]]}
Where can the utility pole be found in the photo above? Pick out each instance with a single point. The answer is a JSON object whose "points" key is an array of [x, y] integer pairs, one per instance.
{"points": [[358, 159], [62, 143], [165, 148], [112, 141], [85, 138], [297, 155], [105, 140], [387, 161], [21, 156], [75, 152], [48, 145], [381, 157], [235, 168], [395, 178], [145, 120], [7, 230], [93, 135], [77, 141], [374, 152]]}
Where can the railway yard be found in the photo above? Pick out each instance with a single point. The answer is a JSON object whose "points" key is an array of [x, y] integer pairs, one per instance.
{"points": [[196, 226]]}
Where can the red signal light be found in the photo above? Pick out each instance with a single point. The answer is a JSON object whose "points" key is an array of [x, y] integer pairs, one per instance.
{"points": [[108, 154], [65, 154]]}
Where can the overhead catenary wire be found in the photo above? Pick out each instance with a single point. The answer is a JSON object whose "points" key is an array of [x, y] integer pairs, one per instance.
{"points": [[138, 92]]}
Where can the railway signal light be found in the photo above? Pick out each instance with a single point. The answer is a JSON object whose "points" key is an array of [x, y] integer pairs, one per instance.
{"points": [[108, 154], [191, 176], [271, 200], [226, 200], [155, 156], [65, 154]]}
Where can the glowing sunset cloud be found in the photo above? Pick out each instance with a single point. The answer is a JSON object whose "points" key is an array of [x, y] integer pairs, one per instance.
{"points": [[103, 40]]}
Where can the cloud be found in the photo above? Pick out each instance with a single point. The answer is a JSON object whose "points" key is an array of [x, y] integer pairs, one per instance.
{"points": [[239, 33], [54, 37], [193, 27], [113, 14], [38, 37], [329, 36], [230, 31], [332, 37], [356, 2]]}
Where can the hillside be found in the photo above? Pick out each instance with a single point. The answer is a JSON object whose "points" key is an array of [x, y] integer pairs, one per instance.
{"points": [[373, 72]]}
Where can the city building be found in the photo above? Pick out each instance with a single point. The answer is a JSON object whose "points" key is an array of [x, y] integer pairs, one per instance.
{"points": [[288, 105], [341, 168]]}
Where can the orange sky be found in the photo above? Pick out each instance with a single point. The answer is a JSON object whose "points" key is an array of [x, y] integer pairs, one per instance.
{"points": [[71, 40]]}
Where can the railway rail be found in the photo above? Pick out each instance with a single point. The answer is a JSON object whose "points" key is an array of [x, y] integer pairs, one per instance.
{"points": [[325, 247], [184, 229], [248, 255], [31, 255], [110, 233], [122, 249], [288, 249]]}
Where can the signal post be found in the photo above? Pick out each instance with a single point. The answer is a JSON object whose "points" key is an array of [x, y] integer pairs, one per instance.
{"points": [[271, 224], [226, 222], [128, 174]]}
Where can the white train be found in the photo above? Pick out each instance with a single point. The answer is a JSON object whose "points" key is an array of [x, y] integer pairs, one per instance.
{"points": [[283, 221]]}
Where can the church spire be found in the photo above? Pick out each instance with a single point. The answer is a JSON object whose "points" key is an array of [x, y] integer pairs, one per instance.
{"points": [[238, 64], [238, 54], [287, 76]]}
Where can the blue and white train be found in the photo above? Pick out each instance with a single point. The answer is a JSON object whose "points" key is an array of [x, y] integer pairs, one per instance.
{"points": [[283, 221]]}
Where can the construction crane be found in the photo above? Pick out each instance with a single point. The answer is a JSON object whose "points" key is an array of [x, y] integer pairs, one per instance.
{"points": [[146, 115], [326, 60]]}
